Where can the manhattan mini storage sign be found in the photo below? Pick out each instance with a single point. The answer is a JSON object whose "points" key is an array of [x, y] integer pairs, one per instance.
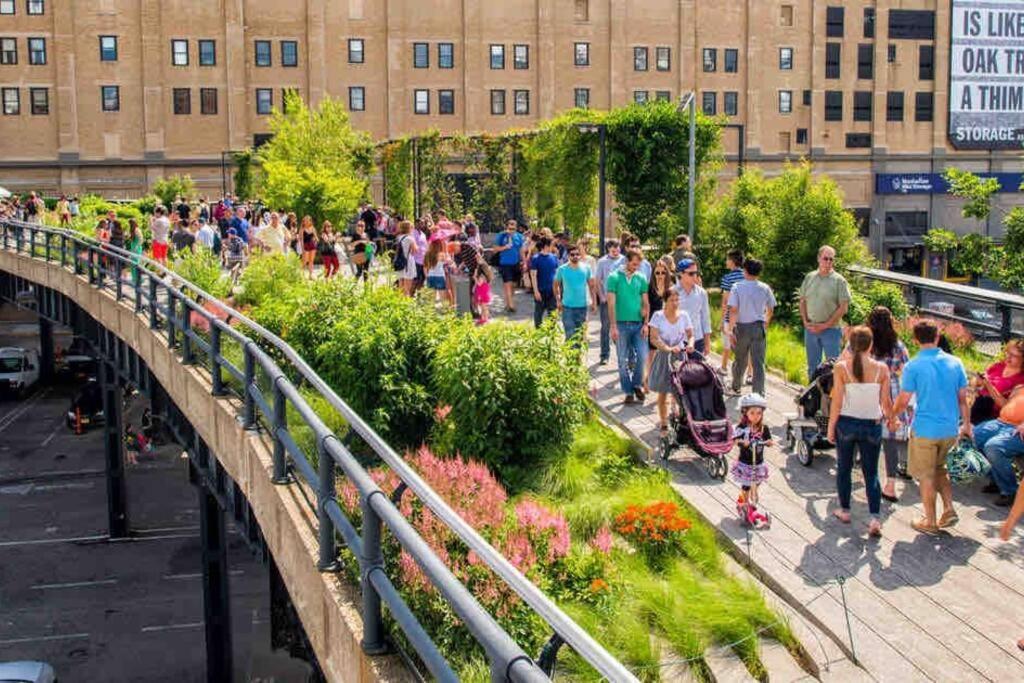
{"points": [[986, 98]]}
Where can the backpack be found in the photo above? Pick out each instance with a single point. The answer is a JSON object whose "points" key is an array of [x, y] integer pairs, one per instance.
{"points": [[235, 246], [965, 463], [399, 261]]}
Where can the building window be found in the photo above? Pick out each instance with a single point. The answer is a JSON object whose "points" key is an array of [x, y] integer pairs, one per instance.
{"points": [[421, 101], [520, 56], [801, 136], [446, 55], [445, 101], [906, 223], [8, 50], [833, 105], [866, 61], [289, 53], [581, 97], [37, 51], [182, 98], [833, 58], [207, 53], [581, 54], [926, 62], [858, 140], [420, 55], [264, 100], [862, 104], [731, 103], [663, 96], [108, 48], [710, 58], [179, 52], [785, 101], [7, 6], [640, 96], [807, 98], [262, 53], [522, 102], [869, 22], [639, 59], [39, 99], [894, 106], [208, 101], [356, 55], [110, 97], [663, 58], [834, 17], [35, 6], [732, 60], [709, 103], [498, 102], [12, 101], [786, 58], [497, 56], [891, 56], [923, 104], [786, 15], [911, 24], [581, 11], [357, 98]]}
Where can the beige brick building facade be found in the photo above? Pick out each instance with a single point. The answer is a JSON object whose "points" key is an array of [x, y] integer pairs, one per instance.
{"points": [[107, 95]]}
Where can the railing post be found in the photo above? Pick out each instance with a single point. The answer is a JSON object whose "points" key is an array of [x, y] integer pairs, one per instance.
{"points": [[280, 423], [90, 258], [215, 373], [249, 417], [32, 242], [137, 284], [1006, 325], [46, 247], [98, 259], [187, 357], [918, 295], [372, 559], [326, 492], [63, 250], [172, 317], [19, 237], [118, 285], [6, 228], [76, 261], [152, 301]]}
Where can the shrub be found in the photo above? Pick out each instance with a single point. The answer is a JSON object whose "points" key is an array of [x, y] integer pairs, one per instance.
{"points": [[656, 529], [170, 188], [866, 297], [269, 274], [860, 308], [202, 269], [146, 204]]}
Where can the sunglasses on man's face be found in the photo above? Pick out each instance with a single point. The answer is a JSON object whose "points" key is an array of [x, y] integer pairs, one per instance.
{"points": [[691, 272], [574, 256], [828, 258]]}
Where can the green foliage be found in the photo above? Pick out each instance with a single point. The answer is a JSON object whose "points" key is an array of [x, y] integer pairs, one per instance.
{"points": [[868, 296], [312, 191], [202, 268], [972, 188], [515, 393], [396, 158], [170, 188], [437, 187], [490, 156], [244, 179], [146, 204], [267, 275], [941, 240]]}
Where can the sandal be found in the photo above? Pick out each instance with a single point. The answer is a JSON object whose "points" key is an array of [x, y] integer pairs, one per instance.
{"points": [[921, 526], [949, 518], [842, 515], [874, 528]]}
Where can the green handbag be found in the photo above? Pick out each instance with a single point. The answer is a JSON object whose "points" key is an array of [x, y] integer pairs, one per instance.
{"points": [[965, 462]]}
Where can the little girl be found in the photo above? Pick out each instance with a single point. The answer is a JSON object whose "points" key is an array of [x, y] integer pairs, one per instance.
{"points": [[482, 291], [749, 469], [434, 265]]}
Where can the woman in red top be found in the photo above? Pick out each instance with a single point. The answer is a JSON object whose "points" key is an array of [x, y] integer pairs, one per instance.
{"points": [[998, 382]]}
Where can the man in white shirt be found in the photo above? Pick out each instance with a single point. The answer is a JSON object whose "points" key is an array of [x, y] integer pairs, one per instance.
{"points": [[693, 299], [160, 226], [272, 238], [206, 235]]}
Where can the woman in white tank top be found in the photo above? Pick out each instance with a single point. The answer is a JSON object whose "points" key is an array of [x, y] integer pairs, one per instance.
{"points": [[860, 401]]}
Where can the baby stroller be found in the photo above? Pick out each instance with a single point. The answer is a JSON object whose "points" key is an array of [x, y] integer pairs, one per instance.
{"points": [[807, 430], [703, 422]]}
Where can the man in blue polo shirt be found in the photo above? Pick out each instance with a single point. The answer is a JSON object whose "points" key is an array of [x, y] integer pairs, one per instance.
{"points": [[572, 280]]}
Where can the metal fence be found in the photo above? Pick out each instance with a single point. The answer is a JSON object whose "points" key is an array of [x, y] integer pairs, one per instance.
{"points": [[234, 355]]}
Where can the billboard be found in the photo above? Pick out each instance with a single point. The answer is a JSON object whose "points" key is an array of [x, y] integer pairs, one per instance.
{"points": [[986, 74], [934, 183]]}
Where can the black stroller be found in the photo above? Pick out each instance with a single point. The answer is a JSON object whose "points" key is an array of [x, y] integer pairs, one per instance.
{"points": [[807, 430], [703, 422]]}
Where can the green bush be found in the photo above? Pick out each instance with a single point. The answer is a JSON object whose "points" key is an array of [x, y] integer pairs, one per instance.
{"points": [[170, 188], [127, 211], [146, 204], [267, 275], [202, 269], [860, 308]]}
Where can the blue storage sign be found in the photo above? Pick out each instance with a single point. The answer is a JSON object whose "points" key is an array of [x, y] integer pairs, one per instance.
{"points": [[934, 183]]}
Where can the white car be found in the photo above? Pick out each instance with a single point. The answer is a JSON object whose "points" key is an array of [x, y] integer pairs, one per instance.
{"points": [[19, 370], [27, 672]]}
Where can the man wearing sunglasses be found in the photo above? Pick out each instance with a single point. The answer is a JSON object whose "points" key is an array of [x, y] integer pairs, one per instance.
{"points": [[573, 280], [694, 300], [824, 298]]}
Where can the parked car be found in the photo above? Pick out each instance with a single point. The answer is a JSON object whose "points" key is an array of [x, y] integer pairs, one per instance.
{"points": [[27, 672], [19, 370], [86, 409], [78, 362]]}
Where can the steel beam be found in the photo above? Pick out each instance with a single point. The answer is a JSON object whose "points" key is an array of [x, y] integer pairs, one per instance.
{"points": [[216, 592], [113, 443]]}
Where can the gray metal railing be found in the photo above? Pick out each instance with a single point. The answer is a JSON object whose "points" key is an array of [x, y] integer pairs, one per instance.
{"points": [[168, 302]]}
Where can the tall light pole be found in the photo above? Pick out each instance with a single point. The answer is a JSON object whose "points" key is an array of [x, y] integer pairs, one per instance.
{"points": [[689, 101], [601, 131]]}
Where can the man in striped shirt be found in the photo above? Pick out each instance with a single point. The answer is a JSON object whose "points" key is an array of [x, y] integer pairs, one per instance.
{"points": [[734, 264]]}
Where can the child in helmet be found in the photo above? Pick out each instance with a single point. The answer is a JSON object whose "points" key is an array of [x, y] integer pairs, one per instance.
{"points": [[749, 468]]}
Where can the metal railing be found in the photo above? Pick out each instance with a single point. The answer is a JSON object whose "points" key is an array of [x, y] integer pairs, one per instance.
{"points": [[266, 393], [923, 294]]}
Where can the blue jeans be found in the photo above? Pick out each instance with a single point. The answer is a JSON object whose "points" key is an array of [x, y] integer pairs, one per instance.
{"points": [[822, 344], [854, 434], [631, 349], [574, 320], [1000, 443], [606, 331]]}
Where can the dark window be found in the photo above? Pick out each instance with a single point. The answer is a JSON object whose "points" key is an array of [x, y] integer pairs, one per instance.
{"points": [[445, 101], [11, 101], [785, 101], [863, 218], [710, 55], [833, 57], [356, 98], [445, 56], [108, 48], [262, 48], [894, 106], [356, 51], [520, 57], [731, 103], [866, 61], [869, 22], [498, 102], [732, 60], [923, 104], [862, 102], [182, 98], [911, 24], [37, 51], [260, 139], [289, 53], [582, 97], [110, 97], [208, 101], [497, 56], [264, 100], [207, 53], [8, 50], [807, 98], [662, 95], [35, 6], [801, 136], [663, 58], [891, 54], [639, 59], [834, 17], [786, 58], [858, 140], [39, 98], [709, 103], [420, 55], [833, 105], [521, 102], [179, 52], [581, 54], [926, 62], [640, 96], [421, 101], [906, 223]]}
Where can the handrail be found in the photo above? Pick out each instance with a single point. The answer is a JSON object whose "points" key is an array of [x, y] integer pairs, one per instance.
{"points": [[479, 622]]}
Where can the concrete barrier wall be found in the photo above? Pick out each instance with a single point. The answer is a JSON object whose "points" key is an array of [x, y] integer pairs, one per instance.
{"points": [[327, 606]]}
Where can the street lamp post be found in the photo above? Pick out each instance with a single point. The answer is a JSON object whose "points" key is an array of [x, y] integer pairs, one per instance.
{"points": [[601, 130]]}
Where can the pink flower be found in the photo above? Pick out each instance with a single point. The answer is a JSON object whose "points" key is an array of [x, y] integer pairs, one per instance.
{"points": [[441, 412], [602, 541]]}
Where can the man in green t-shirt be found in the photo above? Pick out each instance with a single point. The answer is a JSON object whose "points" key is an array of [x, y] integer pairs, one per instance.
{"points": [[824, 298], [628, 310]]}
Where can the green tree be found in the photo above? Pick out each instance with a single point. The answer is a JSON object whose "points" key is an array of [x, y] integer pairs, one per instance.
{"points": [[490, 156], [170, 188], [396, 160], [243, 179]]}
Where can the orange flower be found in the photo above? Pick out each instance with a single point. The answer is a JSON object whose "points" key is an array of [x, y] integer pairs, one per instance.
{"points": [[599, 585]]}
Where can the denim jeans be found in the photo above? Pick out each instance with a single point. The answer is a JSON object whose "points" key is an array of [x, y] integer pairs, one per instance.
{"points": [[853, 434], [822, 344], [631, 352], [547, 304], [574, 320], [1000, 443], [606, 331]]}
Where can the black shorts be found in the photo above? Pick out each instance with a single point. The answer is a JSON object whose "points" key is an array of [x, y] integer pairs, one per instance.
{"points": [[510, 273], [420, 274]]}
